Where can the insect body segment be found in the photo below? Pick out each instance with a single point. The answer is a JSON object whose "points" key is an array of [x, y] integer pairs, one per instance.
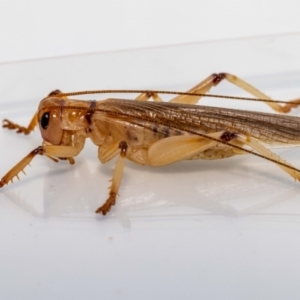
{"points": [[157, 133]]}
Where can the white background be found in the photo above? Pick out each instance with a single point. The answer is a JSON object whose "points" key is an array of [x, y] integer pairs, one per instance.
{"points": [[212, 230], [35, 29]]}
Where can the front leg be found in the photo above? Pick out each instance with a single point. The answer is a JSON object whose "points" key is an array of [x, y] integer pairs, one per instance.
{"points": [[113, 150], [52, 152]]}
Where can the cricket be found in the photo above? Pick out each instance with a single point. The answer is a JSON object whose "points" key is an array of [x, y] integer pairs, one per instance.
{"points": [[149, 131]]}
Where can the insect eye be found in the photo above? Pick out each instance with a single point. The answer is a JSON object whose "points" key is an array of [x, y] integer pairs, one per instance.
{"points": [[50, 126], [45, 120]]}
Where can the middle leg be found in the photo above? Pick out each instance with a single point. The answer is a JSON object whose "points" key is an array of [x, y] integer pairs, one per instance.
{"points": [[114, 150]]}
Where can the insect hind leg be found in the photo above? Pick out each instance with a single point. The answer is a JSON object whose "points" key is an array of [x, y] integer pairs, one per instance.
{"points": [[148, 95], [267, 154], [177, 148], [213, 80]]}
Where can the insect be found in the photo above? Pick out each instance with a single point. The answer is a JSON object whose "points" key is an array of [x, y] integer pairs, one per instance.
{"points": [[157, 133]]}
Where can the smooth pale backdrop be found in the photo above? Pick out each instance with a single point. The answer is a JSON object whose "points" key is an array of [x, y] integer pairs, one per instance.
{"points": [[36, 29], [207, 230]]}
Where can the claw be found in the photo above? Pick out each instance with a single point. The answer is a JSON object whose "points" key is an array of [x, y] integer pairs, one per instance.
{"points": [[11, 126], [105, 208]]}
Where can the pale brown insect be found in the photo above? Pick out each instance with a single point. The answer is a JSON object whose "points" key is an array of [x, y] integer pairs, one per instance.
{"points": [[157, 133]]}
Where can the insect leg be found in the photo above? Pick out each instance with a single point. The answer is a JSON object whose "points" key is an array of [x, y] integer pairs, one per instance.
{"points": [[67, 152], [21, 129], [176, 148], [147, 96], [19, 167], [116, 180], [204, 86], [269, 155], [33, 123], [201, 88]]}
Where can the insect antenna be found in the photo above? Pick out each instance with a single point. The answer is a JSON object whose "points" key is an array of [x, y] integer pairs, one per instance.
{"points": [[163, 92]]}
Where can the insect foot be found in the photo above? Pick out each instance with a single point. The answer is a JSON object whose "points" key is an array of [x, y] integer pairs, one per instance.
{"points": [[105, 208], [10, 125]]}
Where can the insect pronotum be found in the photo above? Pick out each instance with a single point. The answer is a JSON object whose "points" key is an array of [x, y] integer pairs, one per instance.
{"points": [[157, 133]]}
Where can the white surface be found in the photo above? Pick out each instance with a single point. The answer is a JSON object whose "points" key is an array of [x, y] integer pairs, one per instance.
{"points": [[37, 29], [195, 230]]}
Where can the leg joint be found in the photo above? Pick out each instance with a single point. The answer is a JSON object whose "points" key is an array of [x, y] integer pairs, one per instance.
{"points": [[123, 146], [39, 150], [228, 136], [217, 78]]}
